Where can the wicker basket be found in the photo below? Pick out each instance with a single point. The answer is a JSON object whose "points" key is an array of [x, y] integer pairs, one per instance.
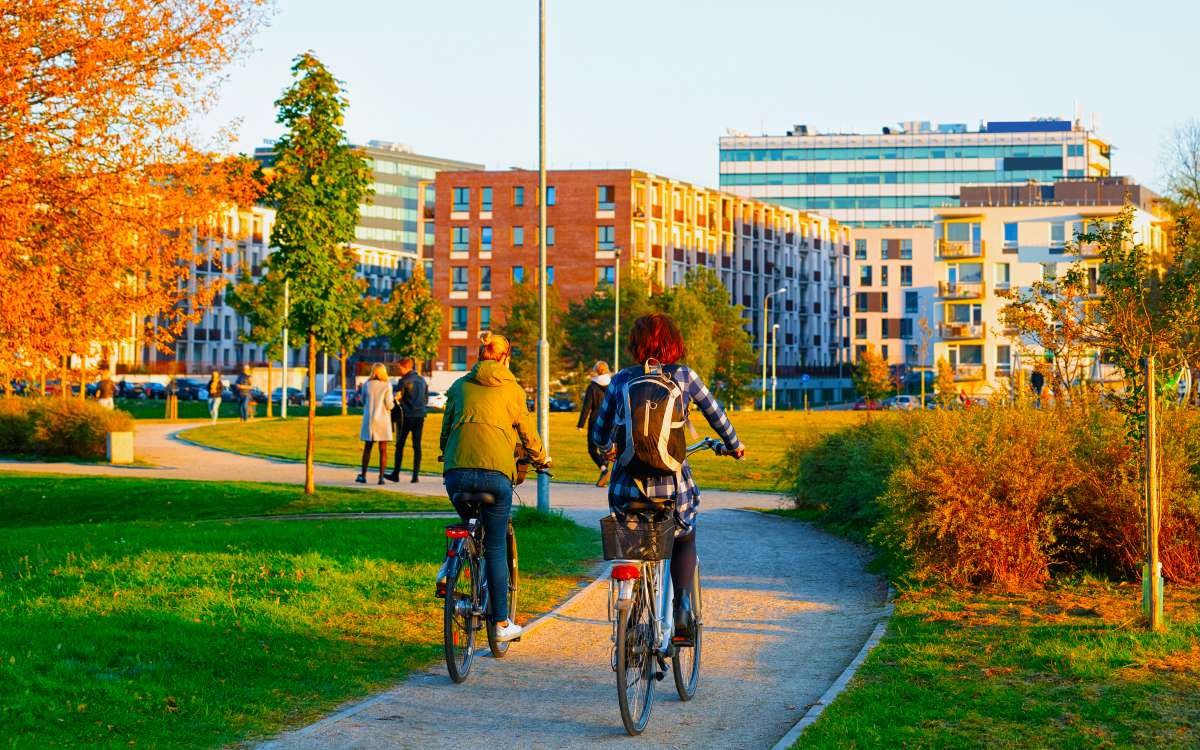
{"points": [[634, 538]]}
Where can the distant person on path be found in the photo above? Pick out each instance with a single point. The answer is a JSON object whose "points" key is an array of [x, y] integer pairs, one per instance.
{"points": [[243, 389], [377, 420], [656, 344], [172, 393], [593, 399], [1037, 381], [409, 416], [105, 391], [215, 387]]}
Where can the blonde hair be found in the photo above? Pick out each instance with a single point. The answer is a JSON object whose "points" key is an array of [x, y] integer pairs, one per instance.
{"points": [[600, 368], [379, 371], [493, 346]]}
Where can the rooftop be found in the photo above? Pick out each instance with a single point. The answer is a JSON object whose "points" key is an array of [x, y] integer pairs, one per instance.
{"points": [[1081, 191], [926, 127]]}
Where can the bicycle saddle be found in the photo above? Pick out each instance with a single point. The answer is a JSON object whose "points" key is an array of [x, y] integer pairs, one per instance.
{"points": [[642, 505], [474, 498]]}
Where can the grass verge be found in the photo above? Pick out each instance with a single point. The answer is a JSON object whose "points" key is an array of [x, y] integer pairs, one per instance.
{"points": [[146, 628]]}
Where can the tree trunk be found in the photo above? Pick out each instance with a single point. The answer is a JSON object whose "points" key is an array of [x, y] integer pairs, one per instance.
{"points": [[342, 358], [270, 387], [309, 485], [64, 380]]}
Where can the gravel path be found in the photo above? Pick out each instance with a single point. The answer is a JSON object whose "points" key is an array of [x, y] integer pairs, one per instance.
{"points": [[787, 607]]}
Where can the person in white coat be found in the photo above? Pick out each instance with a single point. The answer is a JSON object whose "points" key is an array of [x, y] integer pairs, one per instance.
{"points": [[377, 420]]}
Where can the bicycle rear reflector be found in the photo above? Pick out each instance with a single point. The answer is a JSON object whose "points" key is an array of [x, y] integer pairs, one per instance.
{"points": [[625, 572], [457, 532]]}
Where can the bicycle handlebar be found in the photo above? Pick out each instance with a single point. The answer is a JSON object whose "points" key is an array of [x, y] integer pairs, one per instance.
{"points": [[708, 443]]}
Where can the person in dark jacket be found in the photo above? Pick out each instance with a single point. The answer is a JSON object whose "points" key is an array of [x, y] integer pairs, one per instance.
{"points": [[409, 416], [243, 387], [593, 398]]}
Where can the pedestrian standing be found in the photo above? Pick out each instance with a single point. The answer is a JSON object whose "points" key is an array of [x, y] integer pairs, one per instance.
{"points": [[593, 398], [172, 399], [105, 391], [377, 420], [1037, 381], [215, 387], [408, 414], [244, 391]]}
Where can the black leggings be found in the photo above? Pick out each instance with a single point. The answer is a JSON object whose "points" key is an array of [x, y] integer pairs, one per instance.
{"points": [[683, 562]]}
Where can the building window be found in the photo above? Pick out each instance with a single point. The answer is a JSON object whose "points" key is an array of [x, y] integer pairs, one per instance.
{"points": [[549, 236], [485, 238], [1003, 275], [518, 274], [518, 236], [604, 275], [606, 238], [458, 319], [883, 276], [860, 249], [549, 274], [906, 328], [458, 279], [906, 249], [485, 199], [461, 239], [1010, 235], [550, 195], [458, 358], [860, 302], [883, 352], [485, 318], [905, 275], [864, 276], [518, 196], [1049, 272], [883, 301], [606, 198], [860, 328], [485, 278], [1058, 236], [462, 199], [1003, 354]]}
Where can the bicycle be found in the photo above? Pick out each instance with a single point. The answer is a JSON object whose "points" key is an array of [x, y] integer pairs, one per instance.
{"points": [[641, 605], [467, 604]]}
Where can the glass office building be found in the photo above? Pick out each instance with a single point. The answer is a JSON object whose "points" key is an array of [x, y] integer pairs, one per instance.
{"points": [[901, 176]]}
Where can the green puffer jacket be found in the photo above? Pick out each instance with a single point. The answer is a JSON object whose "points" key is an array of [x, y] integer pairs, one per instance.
{"points": [[485, 418]]}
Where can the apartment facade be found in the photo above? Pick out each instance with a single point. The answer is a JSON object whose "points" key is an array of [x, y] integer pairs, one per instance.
{"points": [[486, 242], [1002, 239], [903, 175], [892, 295]]}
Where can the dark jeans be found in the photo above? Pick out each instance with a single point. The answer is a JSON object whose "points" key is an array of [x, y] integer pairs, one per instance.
{"points": [[405, 427], [594, 450], [683, 562], [495, 527], [244, 409]]}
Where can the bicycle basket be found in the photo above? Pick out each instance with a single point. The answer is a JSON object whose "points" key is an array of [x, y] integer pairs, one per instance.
{"points": [[634, 538]]}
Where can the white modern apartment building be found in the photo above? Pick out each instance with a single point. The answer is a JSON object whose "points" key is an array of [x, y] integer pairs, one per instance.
{"points": [[892, 294], [904, 174], [999, 239]]}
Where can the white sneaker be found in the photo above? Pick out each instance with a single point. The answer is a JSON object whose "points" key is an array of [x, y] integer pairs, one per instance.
{"points": [[509, 631]]}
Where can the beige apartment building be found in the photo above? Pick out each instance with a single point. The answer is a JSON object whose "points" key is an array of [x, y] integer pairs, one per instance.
{"points": [[1004, 237], [892, 294]]}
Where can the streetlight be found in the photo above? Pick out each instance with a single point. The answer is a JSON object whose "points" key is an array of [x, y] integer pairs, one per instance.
{"points": [[287, 309], [774, 341], [616, 309], [543, 380], [763, 344]]}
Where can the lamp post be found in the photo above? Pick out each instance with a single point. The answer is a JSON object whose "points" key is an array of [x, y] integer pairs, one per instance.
{"points": [[283, 392], [543, 380], [616, 365], [774, 343], [762, 404]]}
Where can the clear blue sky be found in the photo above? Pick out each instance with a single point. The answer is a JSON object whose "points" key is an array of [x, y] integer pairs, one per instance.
{"points": [[652, 84]]}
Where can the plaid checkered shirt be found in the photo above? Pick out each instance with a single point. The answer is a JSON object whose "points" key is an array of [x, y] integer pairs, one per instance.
{"points": [[680, 486]]}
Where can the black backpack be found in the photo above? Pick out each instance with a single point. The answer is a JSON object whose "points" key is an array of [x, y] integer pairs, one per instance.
{"points": [[652, 413]]}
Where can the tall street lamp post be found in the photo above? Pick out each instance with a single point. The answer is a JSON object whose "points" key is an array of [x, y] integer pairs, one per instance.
{"points": [[287, 309], [774, 347], [762, 404], [616, 365], [543, 380]]}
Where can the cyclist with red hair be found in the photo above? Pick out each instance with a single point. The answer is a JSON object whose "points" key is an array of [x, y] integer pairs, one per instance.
{"points": [[657, 346]]}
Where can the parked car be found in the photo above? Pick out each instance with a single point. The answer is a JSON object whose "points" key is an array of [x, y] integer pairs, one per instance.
{"points": [[258, 396], [126, 389], [155, 390], [334, 398], [903, 402], [295, 396], [436, 400], [867, 406], [191, 389], [562, 402]]}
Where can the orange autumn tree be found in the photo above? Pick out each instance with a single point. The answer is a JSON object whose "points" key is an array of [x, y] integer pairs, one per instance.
{"points": [[102, 188]]}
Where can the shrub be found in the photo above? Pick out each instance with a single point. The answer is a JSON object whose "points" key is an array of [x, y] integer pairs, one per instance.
{"points": [[58, 427], [16, 425]]}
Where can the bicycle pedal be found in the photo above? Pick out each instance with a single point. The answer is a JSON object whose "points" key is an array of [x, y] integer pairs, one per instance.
{"points": [[659, 675]]}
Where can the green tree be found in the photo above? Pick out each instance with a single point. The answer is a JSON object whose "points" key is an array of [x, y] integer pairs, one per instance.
{"points": [[943, 383], [521, 326], [733, 360], [871, 376], [261, 304], [357, 318], [695, 322], [412, 318], [588, 324], [318, 183]]}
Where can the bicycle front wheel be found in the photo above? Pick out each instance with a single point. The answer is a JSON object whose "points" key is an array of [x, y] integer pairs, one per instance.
{"points": [[685, 661], [636, 664], [500, 648], [459, 619]]}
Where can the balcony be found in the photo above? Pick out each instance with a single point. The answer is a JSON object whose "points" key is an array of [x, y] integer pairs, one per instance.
{"points": [[951, 249], [1003, 370], [1089, 250], [960, 289], [961, 331], [968, 372]]}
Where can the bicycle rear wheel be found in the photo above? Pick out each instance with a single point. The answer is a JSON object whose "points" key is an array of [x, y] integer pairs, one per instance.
{"points": [[685, 660], [500, 648], [636, 664], [459, 619]]}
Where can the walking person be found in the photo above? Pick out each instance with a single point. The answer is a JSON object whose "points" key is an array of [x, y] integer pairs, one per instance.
{"points": [[409, 416], [105, 391], [1037, 381], [244, 390], [215, 388], [377, 420], [593, 399]]}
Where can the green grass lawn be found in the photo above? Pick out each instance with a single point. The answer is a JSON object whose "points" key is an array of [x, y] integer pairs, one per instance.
{"points": [[127, 622], [767, 436], [156, 409], [1068, 667]]}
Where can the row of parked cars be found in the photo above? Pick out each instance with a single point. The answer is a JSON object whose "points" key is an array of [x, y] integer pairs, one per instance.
{"points": [[906, 402]]}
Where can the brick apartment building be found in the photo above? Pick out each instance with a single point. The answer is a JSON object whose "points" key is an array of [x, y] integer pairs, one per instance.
{"points": [[486, 227]]}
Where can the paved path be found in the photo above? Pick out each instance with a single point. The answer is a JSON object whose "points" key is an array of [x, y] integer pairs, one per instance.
{"points": [[787, 607]]}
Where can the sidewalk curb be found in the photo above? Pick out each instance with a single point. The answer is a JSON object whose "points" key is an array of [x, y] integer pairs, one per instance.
{"points": [[598, 571]]}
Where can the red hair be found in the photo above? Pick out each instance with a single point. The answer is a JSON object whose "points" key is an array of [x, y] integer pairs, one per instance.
{"points": [[656, 336]]}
